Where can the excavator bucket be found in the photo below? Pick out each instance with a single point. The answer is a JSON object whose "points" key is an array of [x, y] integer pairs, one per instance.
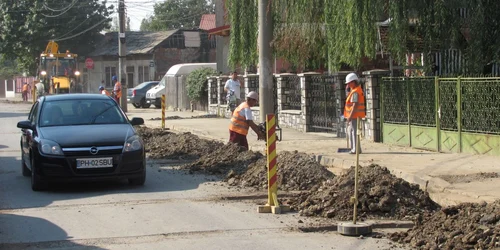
{"points": [[52, 47]]}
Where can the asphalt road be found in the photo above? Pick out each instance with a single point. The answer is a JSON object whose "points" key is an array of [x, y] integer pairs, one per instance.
{"points": [[174, 210]]}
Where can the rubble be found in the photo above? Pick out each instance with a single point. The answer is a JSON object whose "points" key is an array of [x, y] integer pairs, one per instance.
{"points": [[296, 172], [381, 195], [162, 144], [464, 226], [224, 159]]}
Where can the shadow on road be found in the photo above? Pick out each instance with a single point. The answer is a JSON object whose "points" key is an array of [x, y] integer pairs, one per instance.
{"points": [[41, 233], [15, 189]]}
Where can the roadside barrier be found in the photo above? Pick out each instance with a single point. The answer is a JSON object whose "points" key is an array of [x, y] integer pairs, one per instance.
{"points": [[163, 111], [272, 205]]}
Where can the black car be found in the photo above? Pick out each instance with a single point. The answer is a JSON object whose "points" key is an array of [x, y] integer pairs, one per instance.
{"points": [[80, 137], [137, 95]]}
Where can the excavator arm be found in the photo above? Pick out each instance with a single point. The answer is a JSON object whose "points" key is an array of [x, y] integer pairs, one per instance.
{"points": [[52, 48]]}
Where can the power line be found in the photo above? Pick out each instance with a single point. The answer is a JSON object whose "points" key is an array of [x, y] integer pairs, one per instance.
{"points": [[62, 13], [65, 8], [73, 36]]}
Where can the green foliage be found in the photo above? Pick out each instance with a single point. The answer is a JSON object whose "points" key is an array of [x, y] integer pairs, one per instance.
{"points": [[197, 83], [8, 68], [175, 14], [26, 26], [345, 31]]}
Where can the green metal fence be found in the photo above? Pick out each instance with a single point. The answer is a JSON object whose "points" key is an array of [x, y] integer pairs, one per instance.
{"points": [[442, 114]]}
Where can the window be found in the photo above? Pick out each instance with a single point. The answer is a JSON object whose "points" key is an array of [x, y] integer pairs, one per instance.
{"points": [[143, 74], [110, 72], [33, 113]]}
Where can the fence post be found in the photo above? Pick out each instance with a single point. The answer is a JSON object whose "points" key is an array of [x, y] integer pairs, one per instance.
{"points": [[407, 81], [373, 104], [459, 113], [163, 111], [438, 113]]}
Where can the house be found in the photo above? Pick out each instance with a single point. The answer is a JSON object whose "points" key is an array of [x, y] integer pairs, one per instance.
{"points": [[149, 55]]}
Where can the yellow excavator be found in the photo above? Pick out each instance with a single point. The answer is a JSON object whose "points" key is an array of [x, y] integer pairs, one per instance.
{"points": [[58, 71]]}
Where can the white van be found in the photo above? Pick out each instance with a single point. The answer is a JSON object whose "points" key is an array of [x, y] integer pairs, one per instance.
{"points": [[153, 96]]}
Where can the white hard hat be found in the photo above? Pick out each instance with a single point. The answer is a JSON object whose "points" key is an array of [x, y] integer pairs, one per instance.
{"points": [[253, 95], [351, 77]]}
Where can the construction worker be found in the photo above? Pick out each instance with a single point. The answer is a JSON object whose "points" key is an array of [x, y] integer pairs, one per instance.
{"points": [[25, 91], [103, 91], [234, 85], [40, 89], [242, 119], [354, 109], [117, 90]]}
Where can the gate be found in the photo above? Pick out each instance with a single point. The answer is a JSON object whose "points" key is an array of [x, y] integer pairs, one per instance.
{"points": [[442, 114], [321, 103]]}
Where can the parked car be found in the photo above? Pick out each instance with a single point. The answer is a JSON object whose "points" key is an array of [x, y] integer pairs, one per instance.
{"points": [[80, 137], [137, 95]]}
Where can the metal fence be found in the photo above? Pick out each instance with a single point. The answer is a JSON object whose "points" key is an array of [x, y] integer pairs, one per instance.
{"points": [[321, 101], [291, 93], [443, 114]]}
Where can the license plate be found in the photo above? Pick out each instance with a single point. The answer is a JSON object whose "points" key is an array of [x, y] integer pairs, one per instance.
{"points": [[95, 162]]}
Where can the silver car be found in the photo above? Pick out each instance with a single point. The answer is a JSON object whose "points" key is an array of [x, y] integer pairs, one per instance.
{"points": [[137, 95]]}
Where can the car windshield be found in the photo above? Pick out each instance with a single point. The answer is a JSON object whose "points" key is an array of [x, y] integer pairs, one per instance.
{"points": [[80, 112], [162, 82]]}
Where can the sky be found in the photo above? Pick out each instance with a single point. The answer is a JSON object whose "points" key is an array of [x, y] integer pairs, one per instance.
{"points": [[136, 10]]}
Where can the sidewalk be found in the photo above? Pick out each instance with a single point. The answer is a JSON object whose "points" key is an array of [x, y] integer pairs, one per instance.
{"points": [[415, 166]]}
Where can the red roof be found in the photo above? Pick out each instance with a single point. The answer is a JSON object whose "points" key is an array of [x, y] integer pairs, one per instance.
{"points": [[207, 21]]}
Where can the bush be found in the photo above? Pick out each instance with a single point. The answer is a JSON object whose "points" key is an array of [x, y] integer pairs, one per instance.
{"points": [[197, 83]]}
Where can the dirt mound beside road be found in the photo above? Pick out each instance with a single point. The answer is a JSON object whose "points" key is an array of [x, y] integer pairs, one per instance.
{"points": [[224, 159], [380, 195], [464, 226], [162, 144], [296, 172]]}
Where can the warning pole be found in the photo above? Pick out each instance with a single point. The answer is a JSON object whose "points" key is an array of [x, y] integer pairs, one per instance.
{"points": [[272, 170], [163, 111]]}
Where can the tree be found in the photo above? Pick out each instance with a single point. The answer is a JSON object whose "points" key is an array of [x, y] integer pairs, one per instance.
{"points": [[26, 26], [115, 26], [8, 68], [345, 31], [175, 14]]}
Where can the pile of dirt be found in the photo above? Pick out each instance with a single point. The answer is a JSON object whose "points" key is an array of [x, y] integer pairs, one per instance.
{"points": [[162, 144], [296, 172], [464, 226], [223, 159], [380, 195]]}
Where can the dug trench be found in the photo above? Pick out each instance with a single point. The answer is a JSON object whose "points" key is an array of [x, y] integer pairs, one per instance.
{"points": [[318, 193]]}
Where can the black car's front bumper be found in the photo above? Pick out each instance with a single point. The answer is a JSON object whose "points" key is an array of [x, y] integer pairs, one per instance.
{"points": [[63, 168]]}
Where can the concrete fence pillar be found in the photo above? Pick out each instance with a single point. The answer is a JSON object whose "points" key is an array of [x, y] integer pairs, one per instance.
{"points": [[340, 97], [212, 90], [251, 83], [373, 79]]}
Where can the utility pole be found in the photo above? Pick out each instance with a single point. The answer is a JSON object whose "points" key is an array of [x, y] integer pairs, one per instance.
{"points": [[122, 52], [265, 60]]}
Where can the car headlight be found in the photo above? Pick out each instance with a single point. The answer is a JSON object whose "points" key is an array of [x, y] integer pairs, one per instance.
{"points": [[133, 143], [49, 147]]}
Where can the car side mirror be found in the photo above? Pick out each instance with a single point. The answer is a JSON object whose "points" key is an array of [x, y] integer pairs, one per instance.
{"points": [[24, 125], [136, 121]]}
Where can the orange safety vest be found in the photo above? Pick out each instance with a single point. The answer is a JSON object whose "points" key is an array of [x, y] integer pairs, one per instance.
{"points": [[25, 87], [118, 89], [360, 110], [238, 122]]}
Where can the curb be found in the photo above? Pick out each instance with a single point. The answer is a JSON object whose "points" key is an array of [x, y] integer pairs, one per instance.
{"points": [[374, 224]]}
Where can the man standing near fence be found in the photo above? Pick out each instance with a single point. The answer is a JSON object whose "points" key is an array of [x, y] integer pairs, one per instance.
{"points": [[234, 85], [354, 109]]}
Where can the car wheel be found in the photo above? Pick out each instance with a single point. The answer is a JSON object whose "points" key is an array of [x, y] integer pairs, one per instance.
{"points": [[139, 181], [144, 104], [36, 183], [136, 105], [26, 170]]}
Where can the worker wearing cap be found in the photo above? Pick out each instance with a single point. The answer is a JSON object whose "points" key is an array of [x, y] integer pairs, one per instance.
{"points": [[242, 120], [117, 90], [354, 109], [103, 91]]}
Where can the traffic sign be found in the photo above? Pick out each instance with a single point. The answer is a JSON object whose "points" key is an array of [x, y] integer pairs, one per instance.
{"points": [[89, 63]]}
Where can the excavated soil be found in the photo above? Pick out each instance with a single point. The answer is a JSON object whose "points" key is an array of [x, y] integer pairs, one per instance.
{"points": [[296, 172], [224, 159], [464, 226], [162, 144], [381, 195], [469, 177]]}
